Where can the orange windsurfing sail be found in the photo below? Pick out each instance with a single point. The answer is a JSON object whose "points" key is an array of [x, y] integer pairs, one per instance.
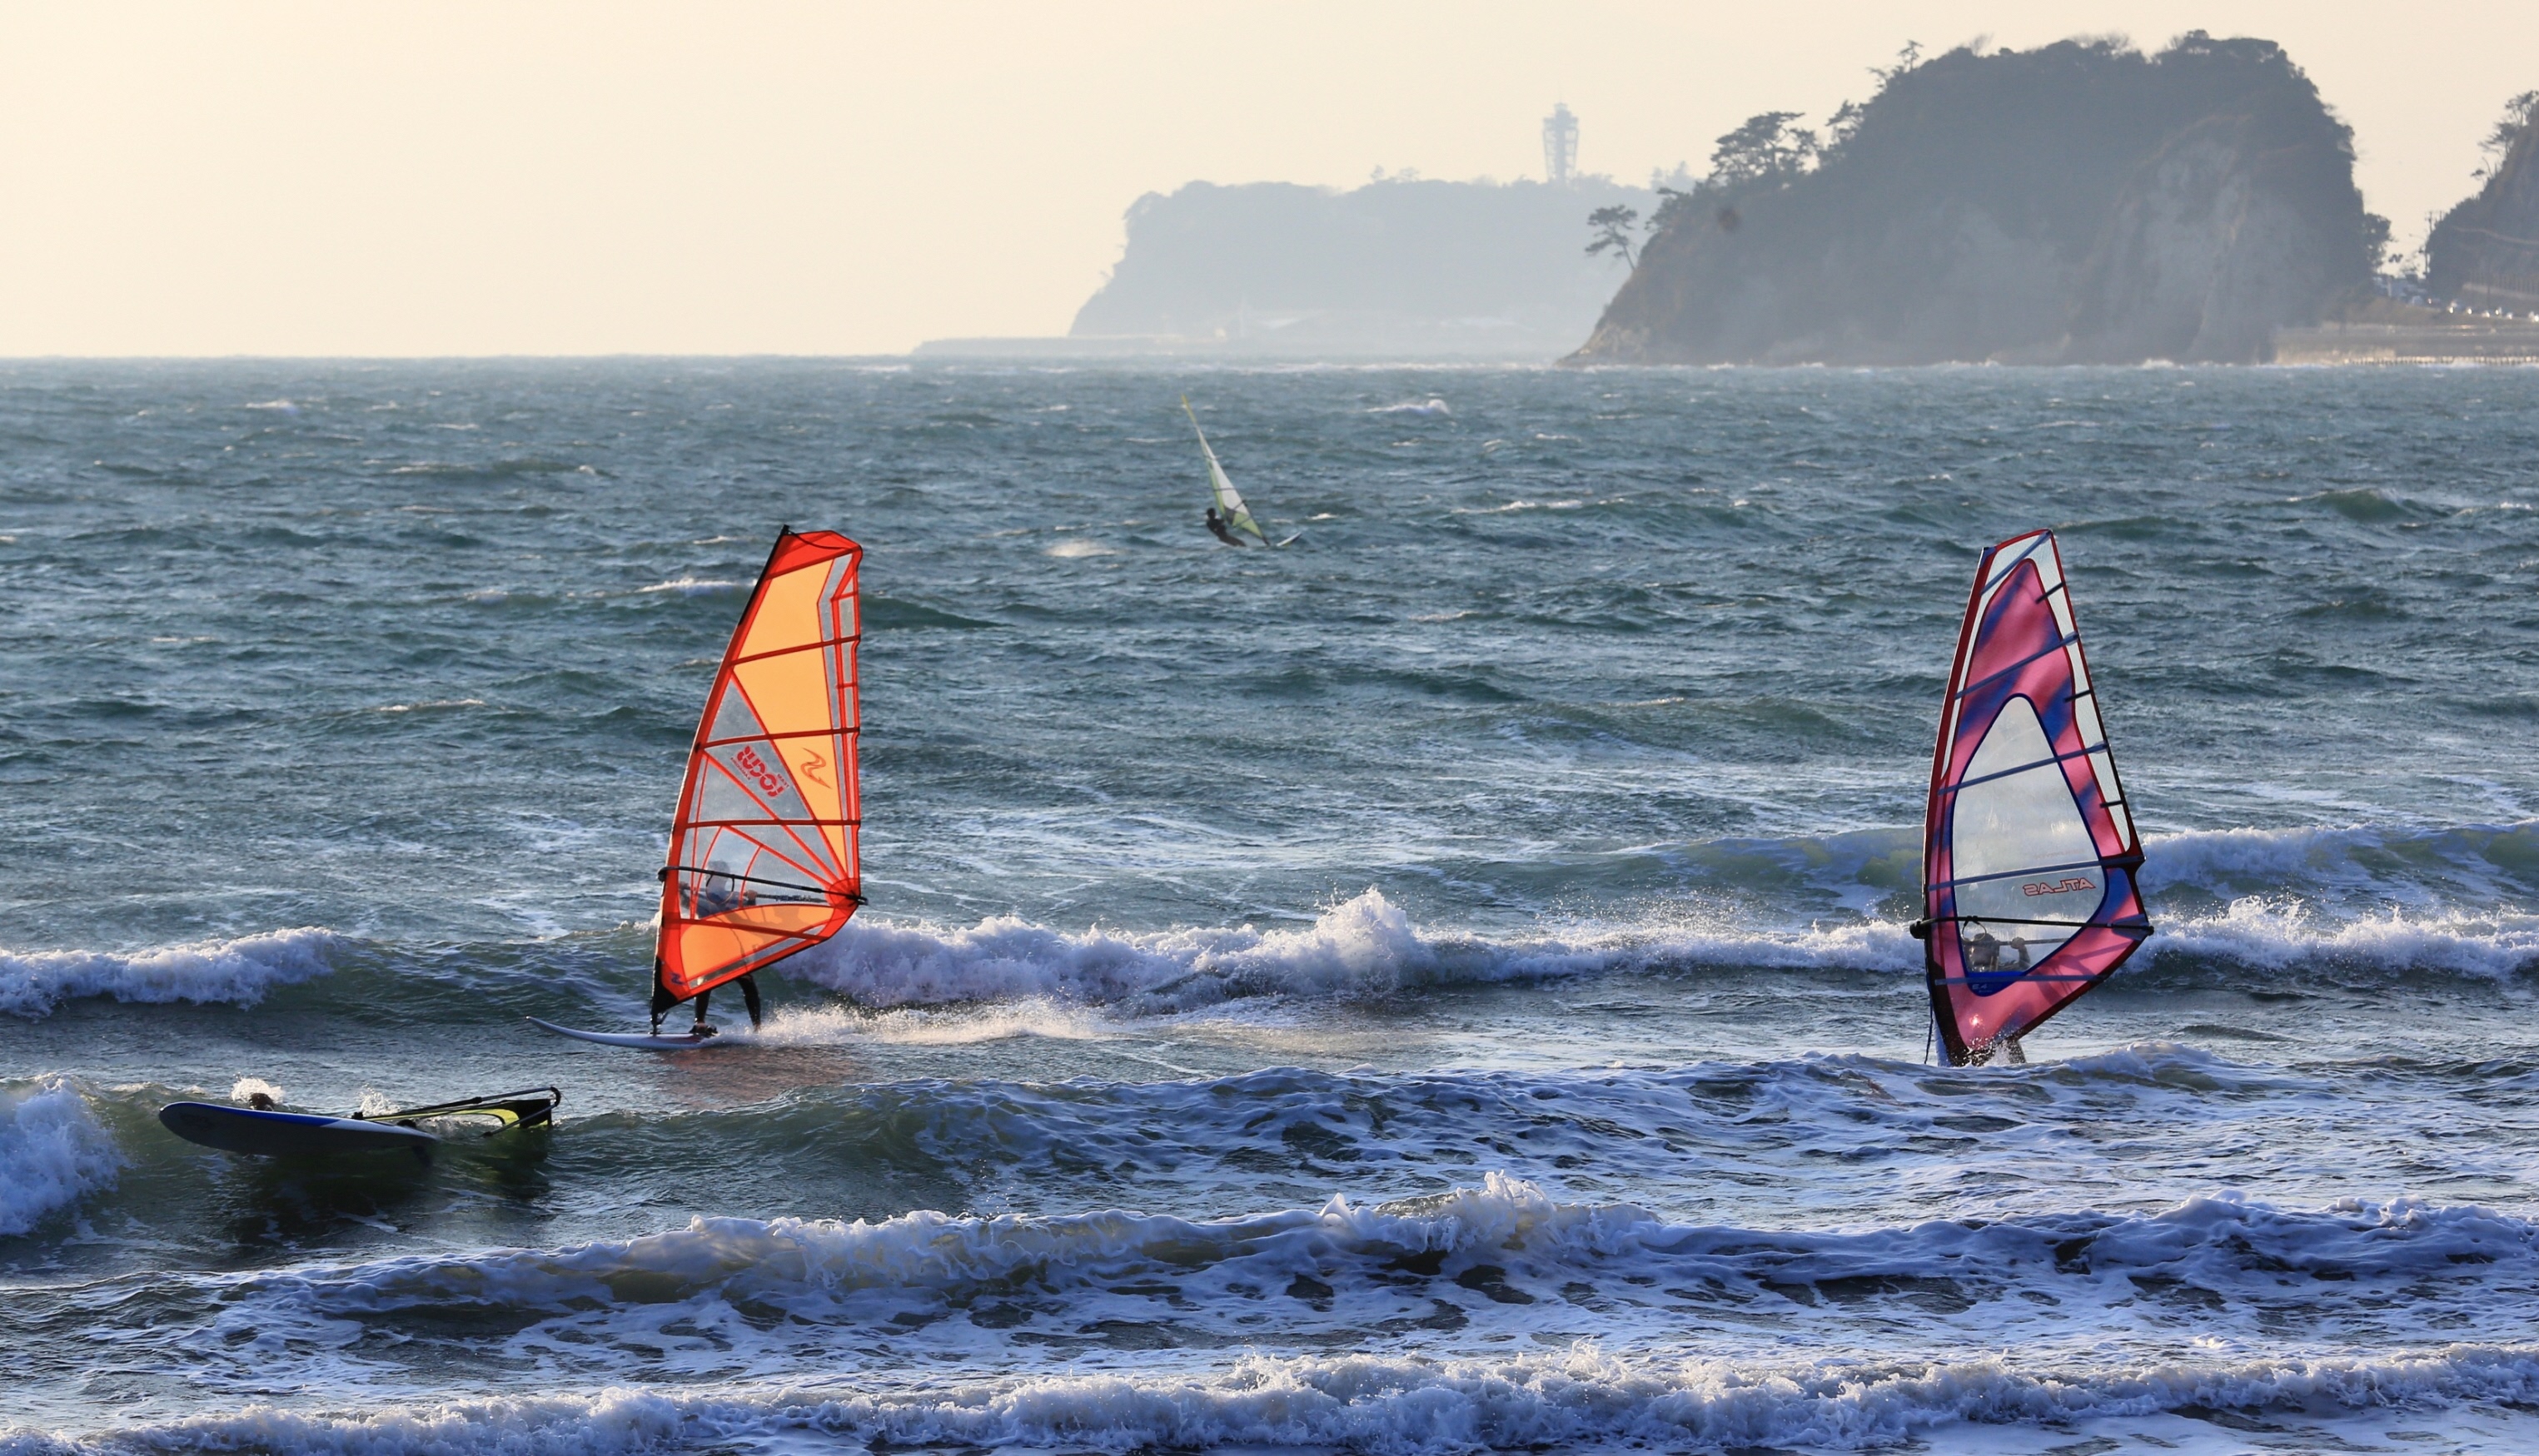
{"points": [[764, 859]]}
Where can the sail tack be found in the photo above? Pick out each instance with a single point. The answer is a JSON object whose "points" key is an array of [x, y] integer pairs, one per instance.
{"points": [[2030, 851], [764, 856], [1229, 504]]}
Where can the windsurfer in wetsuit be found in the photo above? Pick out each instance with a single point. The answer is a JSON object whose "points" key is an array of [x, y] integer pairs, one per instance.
{"points": [[663, 997], [715, 894], [1983, 952], [1217, 524]]}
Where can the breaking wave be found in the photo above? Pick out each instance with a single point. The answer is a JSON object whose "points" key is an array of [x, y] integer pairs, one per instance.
{"points": [[53, 1152], [241, 971], [689, 586], [1503, 1250], [1390, 1407], [817, 1270], [1361, 947], [2286, 934]]}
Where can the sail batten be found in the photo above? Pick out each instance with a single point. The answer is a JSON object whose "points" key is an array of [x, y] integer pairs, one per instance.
{"points": [[764, 858], [2029, 851]]}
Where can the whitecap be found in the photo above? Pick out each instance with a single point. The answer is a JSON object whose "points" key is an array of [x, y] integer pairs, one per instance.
{"points": [[53, 1152], [691, 586], [241, 971], [1365, 946]]}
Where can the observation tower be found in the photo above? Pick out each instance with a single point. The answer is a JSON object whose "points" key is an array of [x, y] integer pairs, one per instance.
{"points": [[1559, 145]]}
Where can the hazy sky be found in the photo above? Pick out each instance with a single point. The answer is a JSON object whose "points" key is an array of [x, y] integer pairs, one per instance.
{"points": [[524, 178]]}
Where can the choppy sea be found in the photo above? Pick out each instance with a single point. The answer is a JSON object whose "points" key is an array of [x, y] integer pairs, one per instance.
{"points": [[1438, 988]]}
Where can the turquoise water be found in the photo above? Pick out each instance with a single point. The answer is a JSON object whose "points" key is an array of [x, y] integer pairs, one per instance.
{"points": [[1439, 986]]}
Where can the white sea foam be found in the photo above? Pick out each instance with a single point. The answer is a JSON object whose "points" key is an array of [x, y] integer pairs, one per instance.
{"points": [[1361, 947], [1382, 1405], [814, 1268], [242, 970], [2285, 932], [690, 586], [1368, 947], [694, 1301], [830, 1026], [1430, 405], [53, 1152]]}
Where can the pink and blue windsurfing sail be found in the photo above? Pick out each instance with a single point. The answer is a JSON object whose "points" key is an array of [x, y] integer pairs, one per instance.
{"points": [[2029, 853]]}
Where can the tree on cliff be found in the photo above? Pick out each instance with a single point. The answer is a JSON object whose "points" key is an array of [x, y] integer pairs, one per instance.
{"points": [[1612, 227], [2484, 253], [2521, 114], [1766, 149]]}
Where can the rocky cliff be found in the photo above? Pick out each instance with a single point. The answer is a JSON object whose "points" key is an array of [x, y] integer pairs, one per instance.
{"points": [[1402, 268], [2484, 254], [2084, 202]]}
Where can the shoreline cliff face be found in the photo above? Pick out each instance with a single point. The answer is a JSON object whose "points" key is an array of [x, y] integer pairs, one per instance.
{"points": [[2485, 252], [2080, 203]]}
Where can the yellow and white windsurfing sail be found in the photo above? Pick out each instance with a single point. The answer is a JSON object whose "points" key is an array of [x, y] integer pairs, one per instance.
{"points": [[764, 858], [1229, 504]]}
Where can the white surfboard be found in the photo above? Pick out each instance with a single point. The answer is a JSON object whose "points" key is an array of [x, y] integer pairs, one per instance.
{"points": [[641, 1041]]}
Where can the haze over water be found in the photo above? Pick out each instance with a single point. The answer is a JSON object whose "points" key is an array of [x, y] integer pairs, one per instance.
{"points": [[1442, 986]]}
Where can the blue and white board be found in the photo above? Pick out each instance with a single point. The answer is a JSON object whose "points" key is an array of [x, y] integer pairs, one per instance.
{"points": [[684, 1041], [289, 1134]]}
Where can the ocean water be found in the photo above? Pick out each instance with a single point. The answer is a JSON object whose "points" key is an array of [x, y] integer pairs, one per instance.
{"points": [[1439, 987]]}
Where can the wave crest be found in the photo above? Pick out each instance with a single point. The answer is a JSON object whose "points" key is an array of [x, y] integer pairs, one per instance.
{"points": [[53, 1152], [242, 970], [1362, 947], [1387, 1405]]}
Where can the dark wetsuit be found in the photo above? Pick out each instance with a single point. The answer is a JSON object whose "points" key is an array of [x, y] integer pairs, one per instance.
{"points": [[1217, 524], [663, 999], [712, 896]]}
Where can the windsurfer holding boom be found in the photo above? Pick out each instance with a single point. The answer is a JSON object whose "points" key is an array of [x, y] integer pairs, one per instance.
{"points": [[1217, 524], [715, 894]]}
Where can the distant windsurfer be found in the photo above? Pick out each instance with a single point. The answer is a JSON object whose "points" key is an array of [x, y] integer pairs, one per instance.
{"points": [[1217, 524]]}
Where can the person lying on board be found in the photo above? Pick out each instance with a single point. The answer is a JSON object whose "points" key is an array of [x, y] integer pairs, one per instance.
{"points": [[1216, 523]]}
